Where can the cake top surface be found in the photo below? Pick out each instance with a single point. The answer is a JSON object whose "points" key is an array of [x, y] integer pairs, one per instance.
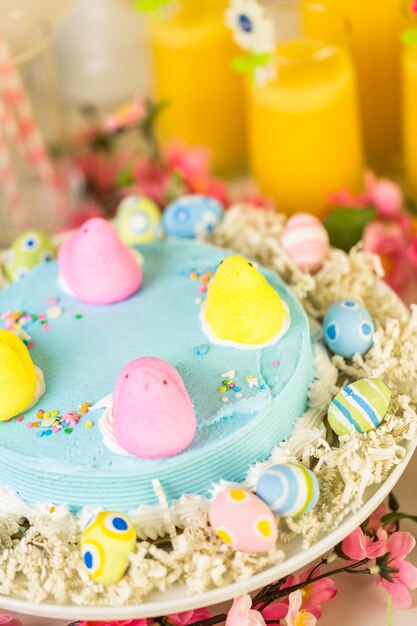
{"points": [[82, 349]]}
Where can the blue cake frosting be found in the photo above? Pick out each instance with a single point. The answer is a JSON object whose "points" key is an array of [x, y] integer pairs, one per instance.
{"points": [[82, 351]]}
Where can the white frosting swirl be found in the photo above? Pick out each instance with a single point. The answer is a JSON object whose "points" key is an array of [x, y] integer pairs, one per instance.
{"points": [[106, 426], [205, 327]]}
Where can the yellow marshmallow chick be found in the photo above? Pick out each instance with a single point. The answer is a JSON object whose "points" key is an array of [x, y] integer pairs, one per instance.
{"points": [[105, 546], [18, 377], [242, 307]]}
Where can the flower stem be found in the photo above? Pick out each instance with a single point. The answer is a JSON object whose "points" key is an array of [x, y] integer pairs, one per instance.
{"points": [[389, 611]]}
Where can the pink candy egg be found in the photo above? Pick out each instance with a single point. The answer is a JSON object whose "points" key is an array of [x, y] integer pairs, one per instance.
{"points": [[305, 240], [153, 416], [243, 521]]}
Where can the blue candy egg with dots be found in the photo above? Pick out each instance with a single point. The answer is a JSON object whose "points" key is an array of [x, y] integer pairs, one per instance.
{"points": [[289, 489], [348, 329], [192, 216]]}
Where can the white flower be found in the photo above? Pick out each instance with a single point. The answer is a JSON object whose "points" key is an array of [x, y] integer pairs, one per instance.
{"points": [[252, 30]]}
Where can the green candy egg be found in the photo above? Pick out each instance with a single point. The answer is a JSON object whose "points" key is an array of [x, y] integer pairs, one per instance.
{"points": [[26, 252], [138, 220], [360, 406]]}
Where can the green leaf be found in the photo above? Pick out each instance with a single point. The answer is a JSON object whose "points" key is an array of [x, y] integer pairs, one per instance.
{"points": [[124, 177], [150, 5], [345, 225], [248, 63], [390, 518], [410, 37]]}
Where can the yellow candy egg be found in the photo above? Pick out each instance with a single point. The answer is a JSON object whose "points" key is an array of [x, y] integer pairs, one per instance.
{"points": [[18, 378], [242, 307], [105, 546]]}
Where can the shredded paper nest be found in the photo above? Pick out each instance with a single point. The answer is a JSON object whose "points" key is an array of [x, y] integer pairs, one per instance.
{"points": [[43, 563]]}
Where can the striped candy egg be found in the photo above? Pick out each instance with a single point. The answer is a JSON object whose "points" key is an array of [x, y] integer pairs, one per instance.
{"points": [[305, 240], [243, 521], [289, 489], [360, 406], [348, 329], [105, 544]]}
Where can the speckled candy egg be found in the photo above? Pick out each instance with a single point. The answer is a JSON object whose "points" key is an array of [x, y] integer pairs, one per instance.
{"points": [[138, 220], [360, 406], [306, 241], [348, 328], [106, 544], [289, 489], [243, 521], [192, 216], [27, 251]]}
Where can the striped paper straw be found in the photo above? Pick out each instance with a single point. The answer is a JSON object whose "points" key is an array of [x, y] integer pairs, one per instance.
{"points": [[29, 137], [8, 178]]}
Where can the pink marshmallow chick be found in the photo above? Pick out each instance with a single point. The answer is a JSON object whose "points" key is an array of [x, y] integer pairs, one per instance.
{"points": [[97, 266], [153, 416]]}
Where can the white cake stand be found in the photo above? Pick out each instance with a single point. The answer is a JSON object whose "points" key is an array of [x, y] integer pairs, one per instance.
{"points": [[178, 599]]}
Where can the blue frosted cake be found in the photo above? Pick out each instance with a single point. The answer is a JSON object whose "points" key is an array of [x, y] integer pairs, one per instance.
{"points": [[246, 398]]}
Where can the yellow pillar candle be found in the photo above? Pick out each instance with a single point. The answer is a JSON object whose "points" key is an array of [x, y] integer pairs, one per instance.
{"points": [[305, 139], [376, 27], [409, 93], [192, 53]]}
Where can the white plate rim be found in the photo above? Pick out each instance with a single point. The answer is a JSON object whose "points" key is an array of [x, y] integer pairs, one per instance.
{"points": [[183, 601]]}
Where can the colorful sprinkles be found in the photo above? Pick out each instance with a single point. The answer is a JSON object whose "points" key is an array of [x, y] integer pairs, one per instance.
{"points": [[21, 321], [228, 383], [52, 422], [203, 278]]}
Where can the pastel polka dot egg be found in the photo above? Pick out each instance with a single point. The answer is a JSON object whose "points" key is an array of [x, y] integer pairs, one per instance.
{"points": [[26, 252], [348, 328], [243, 521], [106, 543], [360, 406], [306, 241], [138, 220], [289, 489], [192, 216]]}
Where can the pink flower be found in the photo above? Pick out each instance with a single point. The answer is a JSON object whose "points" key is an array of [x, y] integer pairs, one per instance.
{"points": [[346, 198], [414, 6], [397, 583], [391, 242], [386, 195], [275, 612], [126, 115], [315, 594], [152, 180], [192, 163], [295, 616], [9, 620], [85, 212], [188, 617], [123, 622], [358, 546], [242, 614], [374, 522]]}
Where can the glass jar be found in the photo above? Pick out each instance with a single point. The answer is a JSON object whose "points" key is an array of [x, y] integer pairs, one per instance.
{"points": [[376, 27], [192, 50], [409, 105], [305, 140], [28, 36]]}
